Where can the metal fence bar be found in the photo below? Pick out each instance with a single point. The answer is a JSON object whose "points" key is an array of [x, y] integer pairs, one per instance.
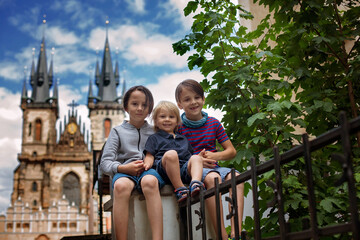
{"points": [[234, 204], [255, 198], [310, 188], [278, 193], [349, 175], [189, 217], [202, 223], [218, 212]]}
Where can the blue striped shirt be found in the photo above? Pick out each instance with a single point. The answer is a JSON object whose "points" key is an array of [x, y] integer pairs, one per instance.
{"points": [[205, 136]]}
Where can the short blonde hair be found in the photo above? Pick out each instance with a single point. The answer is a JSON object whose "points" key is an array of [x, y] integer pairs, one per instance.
{"points": [[169, 106]]}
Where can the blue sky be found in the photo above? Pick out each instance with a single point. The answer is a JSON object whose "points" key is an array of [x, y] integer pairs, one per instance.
{"points": [[140, 32]]}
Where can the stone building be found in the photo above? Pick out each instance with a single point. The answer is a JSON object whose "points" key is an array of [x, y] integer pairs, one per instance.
{"points": [[52, 192]]}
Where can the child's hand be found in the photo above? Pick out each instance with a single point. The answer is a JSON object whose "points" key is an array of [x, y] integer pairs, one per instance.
{"points": [[147, 165], [135, 168], [209, 163], [208, 159]]}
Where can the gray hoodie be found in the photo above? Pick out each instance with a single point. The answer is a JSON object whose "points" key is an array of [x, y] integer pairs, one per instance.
{"points": [[125, 144]]}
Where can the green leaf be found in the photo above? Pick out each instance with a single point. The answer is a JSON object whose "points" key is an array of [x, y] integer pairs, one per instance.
{"points": [[327, 204], [191, 7], [255, 117]]}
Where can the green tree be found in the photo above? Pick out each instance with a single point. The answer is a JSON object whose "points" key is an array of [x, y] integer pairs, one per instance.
{"points": [[298, 69]]}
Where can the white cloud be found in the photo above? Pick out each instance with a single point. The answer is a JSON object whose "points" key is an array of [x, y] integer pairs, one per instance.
{"points": [[60, 36], [7, 70], [80, 13], [137, 6], [10, 141], [175, 9], [140, 45]]}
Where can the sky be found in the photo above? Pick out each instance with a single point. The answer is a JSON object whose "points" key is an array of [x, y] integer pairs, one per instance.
{"points": [[140, 33]]}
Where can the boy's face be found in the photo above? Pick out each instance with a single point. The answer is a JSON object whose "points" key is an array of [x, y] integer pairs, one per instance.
{"points": [[166, 121], [137, 107], [192, 104]]}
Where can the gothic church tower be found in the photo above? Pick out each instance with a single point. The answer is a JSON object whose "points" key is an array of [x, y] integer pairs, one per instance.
{"points": [[105, 109], [40, 112], [53, 181]]}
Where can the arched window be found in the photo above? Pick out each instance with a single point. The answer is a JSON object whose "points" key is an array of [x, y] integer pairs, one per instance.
{"points": [[71, 188], [34, 187], [35, 203], [107, 127], [38, 127]]}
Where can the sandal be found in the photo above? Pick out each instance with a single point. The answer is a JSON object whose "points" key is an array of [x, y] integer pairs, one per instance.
{"points": [[181, 193], [195, 187]]}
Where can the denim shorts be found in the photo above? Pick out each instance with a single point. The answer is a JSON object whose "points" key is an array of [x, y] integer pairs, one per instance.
{"points": [[222, 171], [185, 176], [137, 179]]}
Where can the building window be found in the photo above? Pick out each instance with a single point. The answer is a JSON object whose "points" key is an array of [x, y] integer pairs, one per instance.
{"points": [[107, 127], [34, 187], [62, 225], [38, 127], [30, 129], [35, 203], [71, 188]]}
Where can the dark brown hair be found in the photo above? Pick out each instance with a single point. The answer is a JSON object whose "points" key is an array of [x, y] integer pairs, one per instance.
{"points": [[149, 97], [190, 84]]}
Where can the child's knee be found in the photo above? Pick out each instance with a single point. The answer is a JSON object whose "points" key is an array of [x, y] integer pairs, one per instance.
{"points": [[149, 182], [123, 187], [171, 154], [196, 159], [209, 179]]}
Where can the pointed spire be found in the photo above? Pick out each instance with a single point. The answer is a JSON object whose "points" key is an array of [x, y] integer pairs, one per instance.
{"points": [[124, 85], [90, 94], [50, 74], [116, 74], [107, 82], [97, 69], [41, 79], [24, 90], [32, 74]]}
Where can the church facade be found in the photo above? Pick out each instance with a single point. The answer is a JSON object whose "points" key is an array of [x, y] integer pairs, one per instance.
{"points": [[52, 193]]}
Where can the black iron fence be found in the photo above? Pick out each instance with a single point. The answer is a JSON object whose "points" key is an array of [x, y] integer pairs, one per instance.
{"points": [[341, 133]]}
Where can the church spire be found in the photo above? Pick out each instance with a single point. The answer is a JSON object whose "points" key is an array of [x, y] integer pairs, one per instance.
{"points": [[24, 90], [50, 74], [107, 81], [41, 80], [116, 74]]}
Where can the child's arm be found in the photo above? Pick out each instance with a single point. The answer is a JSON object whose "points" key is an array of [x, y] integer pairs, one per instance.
{"points": [[210, 158], [148, 161]]}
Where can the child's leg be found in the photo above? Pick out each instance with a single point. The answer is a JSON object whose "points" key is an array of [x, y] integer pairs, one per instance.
{"points": [[122, 192], [240, 204], [195, 167], [150, 188], [211, 204], [170, 163]]}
